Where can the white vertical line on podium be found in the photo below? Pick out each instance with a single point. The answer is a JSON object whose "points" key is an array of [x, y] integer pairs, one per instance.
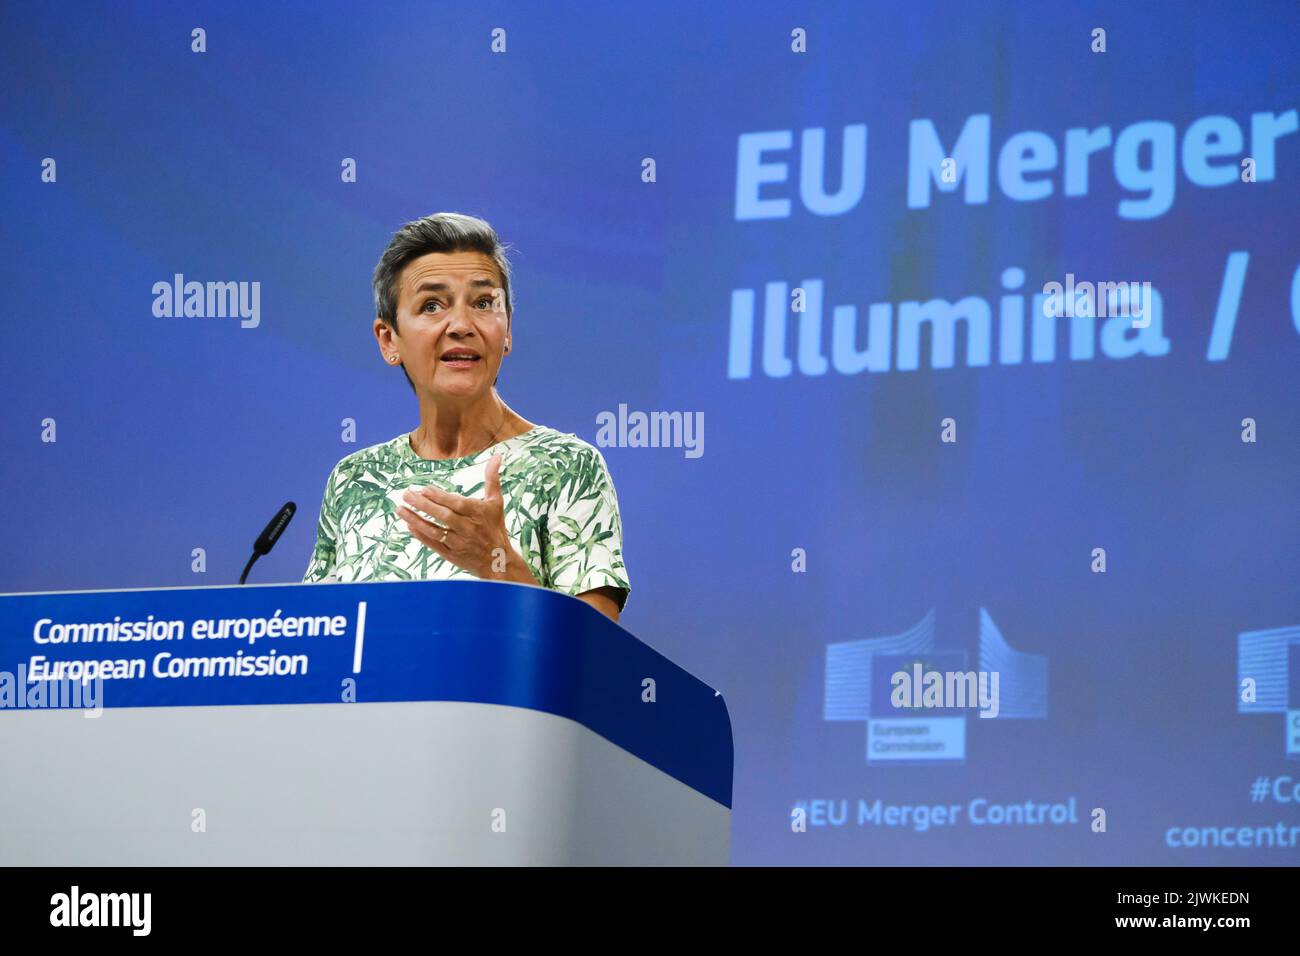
{"points": [[361, 637]]}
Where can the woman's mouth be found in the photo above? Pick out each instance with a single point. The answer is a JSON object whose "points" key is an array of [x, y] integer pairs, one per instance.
{"points": [[460, 361]]}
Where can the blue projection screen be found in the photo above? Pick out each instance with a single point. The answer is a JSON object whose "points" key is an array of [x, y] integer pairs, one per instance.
{"points": [[992, 311]]}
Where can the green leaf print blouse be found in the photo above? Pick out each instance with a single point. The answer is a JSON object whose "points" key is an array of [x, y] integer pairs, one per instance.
{"points": [[561, 512]]}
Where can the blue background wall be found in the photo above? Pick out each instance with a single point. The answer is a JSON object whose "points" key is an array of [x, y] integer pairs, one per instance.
{"points": [[177, 433]]}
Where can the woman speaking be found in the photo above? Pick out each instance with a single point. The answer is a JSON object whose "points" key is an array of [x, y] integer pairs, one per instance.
{"points": [[476, 490]]}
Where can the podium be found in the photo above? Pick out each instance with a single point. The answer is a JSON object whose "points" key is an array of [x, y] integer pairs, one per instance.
{"points": [[385, 723]]}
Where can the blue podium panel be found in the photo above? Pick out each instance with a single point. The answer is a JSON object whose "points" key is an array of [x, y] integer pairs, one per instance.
{"points": [[424, 721]]}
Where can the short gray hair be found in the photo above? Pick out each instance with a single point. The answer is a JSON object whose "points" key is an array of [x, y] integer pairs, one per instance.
{"points": [[440, 232]]}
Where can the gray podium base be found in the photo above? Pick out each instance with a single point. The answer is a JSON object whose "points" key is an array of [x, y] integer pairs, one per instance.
{"points": [[440, 783]]}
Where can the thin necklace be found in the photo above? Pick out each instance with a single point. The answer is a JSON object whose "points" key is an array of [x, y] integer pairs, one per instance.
{"points": [[504, 417]]}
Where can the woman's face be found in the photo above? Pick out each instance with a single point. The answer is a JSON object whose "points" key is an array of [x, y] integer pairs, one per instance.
{"points": [[449, 301]]}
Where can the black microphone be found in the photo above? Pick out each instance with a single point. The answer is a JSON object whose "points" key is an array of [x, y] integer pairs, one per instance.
{"points": [[269, 536]]}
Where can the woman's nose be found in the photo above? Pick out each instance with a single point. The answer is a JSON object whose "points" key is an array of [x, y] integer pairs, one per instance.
{"points": [[459, 321]]}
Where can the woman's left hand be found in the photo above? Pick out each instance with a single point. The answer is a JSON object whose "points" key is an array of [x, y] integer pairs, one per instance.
{"points": [[474, 536]]}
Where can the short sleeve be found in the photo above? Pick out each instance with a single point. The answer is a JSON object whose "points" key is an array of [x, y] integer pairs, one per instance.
{"points": [[584, 533], [321, 565]]}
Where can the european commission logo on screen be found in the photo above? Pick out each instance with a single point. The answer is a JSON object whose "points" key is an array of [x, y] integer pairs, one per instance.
{"points": [[915, 698], [1268, 679]]}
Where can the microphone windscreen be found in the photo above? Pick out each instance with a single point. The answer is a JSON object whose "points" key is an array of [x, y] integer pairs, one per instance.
{"points": [[272, 532]]}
